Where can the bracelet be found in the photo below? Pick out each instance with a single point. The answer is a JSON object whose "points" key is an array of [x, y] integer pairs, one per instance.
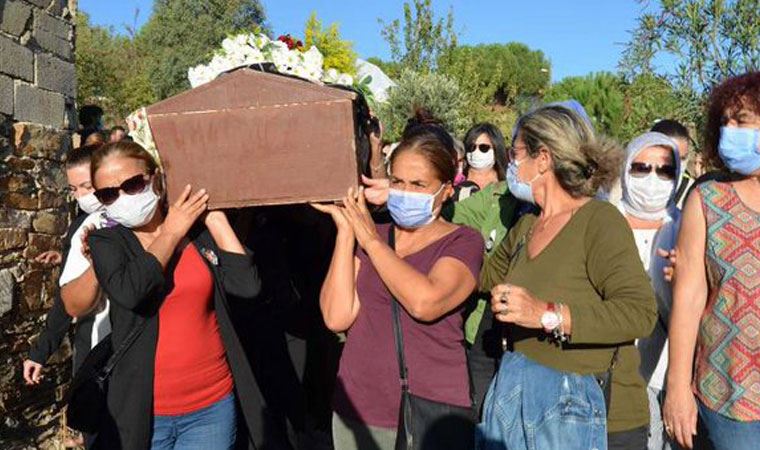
{"points": [[559, 332]]}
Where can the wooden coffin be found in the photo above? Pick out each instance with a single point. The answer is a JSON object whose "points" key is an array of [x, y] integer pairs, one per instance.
{"points": [[255, 138]]}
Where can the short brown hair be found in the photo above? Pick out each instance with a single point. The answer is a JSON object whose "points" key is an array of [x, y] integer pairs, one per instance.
{"points": [[731, 95], [80, 155], [435, 144], [127, 149]]}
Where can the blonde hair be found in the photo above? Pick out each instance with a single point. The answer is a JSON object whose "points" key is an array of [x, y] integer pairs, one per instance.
{"points": [[583, 162]]}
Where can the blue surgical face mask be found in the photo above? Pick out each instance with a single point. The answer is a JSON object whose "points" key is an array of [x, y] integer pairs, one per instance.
{"points": [[738, 148], [520, 189], [412, 209]]}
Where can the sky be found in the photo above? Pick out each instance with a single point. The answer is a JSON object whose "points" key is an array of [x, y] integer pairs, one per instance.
{"points": [[577, 36]]}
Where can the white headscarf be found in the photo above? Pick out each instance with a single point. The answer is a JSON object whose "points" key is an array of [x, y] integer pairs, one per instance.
{"points": [[636, 146]]}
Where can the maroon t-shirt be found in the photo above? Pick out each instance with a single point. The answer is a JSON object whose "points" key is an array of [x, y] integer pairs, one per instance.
{"points": [[368, 388]]}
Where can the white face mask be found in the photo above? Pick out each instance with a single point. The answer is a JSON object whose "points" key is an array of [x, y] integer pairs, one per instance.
{"points": [[134, 211], [647, 197], [89, 203], [479, 160]]}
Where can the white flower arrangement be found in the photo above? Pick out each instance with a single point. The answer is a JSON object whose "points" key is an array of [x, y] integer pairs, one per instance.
{"points": [[249, 49]]}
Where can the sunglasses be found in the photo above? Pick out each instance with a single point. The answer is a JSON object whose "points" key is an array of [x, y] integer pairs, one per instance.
{"points": [[130, 186], [482, 147], [664, 172]]}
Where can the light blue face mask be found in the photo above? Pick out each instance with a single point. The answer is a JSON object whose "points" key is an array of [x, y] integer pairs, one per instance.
{"points": [[412, 209], [739, 149], [520, 189]]}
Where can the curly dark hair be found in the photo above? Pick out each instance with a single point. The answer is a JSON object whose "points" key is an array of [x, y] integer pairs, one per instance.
{"points": [[729, 97]]}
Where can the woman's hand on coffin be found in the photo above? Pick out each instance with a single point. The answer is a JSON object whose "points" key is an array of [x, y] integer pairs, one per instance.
{"points": [[359, 218], [376, 190], [185, 211]]}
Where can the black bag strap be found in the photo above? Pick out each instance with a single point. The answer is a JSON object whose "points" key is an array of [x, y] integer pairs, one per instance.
{"points": [[397, 334], [122, 350]]}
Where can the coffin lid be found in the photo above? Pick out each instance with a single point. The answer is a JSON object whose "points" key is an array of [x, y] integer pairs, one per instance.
{"points": [[244, 88]]}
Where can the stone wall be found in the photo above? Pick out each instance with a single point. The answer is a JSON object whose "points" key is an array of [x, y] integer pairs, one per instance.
{"points": [[37, 91]]}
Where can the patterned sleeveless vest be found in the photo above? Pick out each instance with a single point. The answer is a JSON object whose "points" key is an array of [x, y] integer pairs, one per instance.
{"points": [[727, 378]]}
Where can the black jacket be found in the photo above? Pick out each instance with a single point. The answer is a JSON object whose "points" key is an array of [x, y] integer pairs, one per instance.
{"points": [[57, 322], [136, 285]]}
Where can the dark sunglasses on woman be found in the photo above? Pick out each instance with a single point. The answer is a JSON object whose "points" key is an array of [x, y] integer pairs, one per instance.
{"points": [[131, 186], [664, 172], [482, 147]]}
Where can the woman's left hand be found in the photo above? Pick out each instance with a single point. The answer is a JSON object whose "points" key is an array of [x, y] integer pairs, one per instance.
{"points": [[359, 219], [513, 304]]}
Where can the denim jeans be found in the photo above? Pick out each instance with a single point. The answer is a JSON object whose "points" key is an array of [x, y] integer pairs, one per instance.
{"points": [[213, 427], [533, 407], [728, 434]]}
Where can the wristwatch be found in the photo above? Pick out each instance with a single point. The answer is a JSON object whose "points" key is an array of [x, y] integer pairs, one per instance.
{"points": [[550, 319]]}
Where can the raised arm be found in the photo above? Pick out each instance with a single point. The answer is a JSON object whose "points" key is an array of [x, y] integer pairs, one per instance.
{"points": [[129, 281], [240, 277], [425, 296], [338, 299]]}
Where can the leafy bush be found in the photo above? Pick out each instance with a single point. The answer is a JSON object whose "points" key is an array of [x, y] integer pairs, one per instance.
{"points": [[499, 73], [437, 93], [601, 94], [338, 53]]}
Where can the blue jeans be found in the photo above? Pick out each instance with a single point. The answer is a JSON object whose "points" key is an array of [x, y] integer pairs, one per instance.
{"points": [[728, 434], [533, 407], [213, 427]]}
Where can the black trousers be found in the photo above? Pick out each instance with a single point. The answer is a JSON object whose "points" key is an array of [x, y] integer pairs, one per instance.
{"points": [[635, 439]]}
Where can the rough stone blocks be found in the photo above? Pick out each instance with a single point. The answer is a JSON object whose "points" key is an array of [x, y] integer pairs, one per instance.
{"points": [[15, 15], [16, 60], [39, 106], [56, 75], [6, 95]]}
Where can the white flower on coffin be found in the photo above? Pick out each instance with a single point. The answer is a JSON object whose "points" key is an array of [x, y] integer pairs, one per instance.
{"points": [[200, 75], [331, 75], [345, 79], [313, 59]]}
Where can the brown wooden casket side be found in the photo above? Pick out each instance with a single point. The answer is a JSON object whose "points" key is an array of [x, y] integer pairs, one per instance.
{"points": [[251, 138]]}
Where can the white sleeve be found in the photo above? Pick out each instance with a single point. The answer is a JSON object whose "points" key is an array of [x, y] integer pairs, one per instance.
{"points": [[76, 264]]}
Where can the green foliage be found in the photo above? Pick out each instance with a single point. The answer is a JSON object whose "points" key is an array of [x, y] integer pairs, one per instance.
{"points": [[390, 68], [601, 94], [338, 53], [184, 33], [708, 40], [418, 43], [497, 73], [649, 98], [109, 71], [625, 109], [437, 93]]}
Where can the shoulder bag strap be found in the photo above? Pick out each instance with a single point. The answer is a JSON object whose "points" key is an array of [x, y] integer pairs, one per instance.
{"points": [[397, 334], [122, 350]]}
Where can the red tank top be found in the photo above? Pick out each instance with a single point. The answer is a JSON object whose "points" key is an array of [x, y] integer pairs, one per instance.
{"points": [[191, 370]]}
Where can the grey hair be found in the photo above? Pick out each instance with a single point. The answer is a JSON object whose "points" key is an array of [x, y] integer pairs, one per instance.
{"points": [[582, 162]]}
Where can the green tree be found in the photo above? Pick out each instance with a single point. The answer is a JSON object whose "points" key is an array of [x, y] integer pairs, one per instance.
{"points": [[437, 93], [649, 98], [707, 41], [624, 109], [338, 53], [109, 71], [601, 94], [498, 73], [419, 42], [184, 33]]}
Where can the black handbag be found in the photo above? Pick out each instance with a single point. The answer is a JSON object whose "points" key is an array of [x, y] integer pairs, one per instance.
{"points": [[427, 424], [89, 388], [604, 379]]}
